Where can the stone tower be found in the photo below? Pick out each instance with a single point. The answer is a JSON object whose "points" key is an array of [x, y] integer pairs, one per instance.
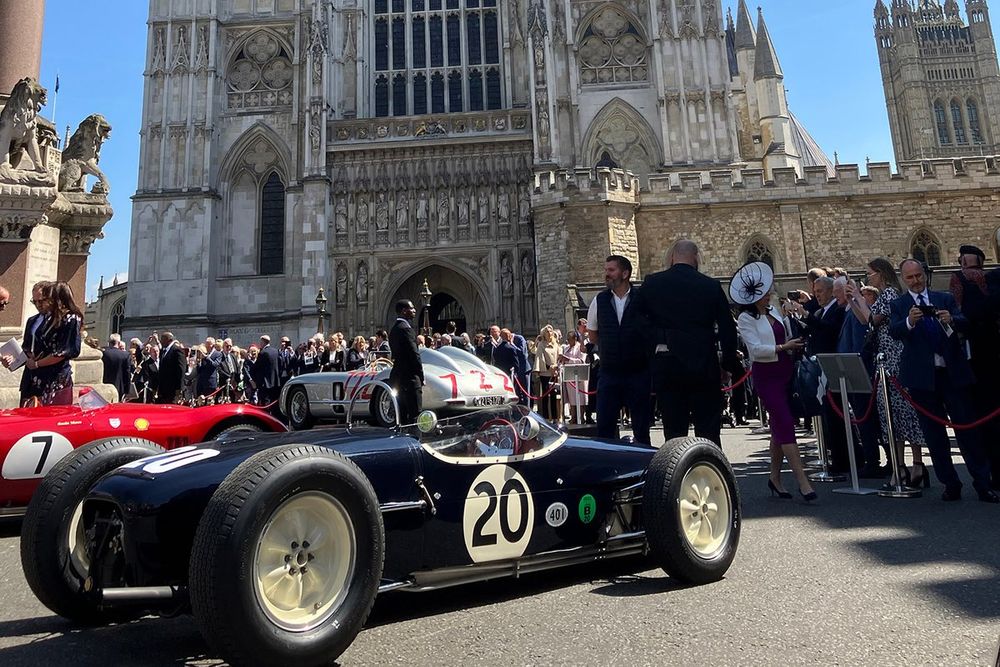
{"points": [[942, 83]]}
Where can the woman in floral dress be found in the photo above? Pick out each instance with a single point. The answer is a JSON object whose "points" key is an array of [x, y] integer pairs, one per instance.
{"points": [[58, 342]]}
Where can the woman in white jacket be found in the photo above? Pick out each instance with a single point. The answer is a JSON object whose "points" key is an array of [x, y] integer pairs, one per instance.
{"points": [[767, 335]]}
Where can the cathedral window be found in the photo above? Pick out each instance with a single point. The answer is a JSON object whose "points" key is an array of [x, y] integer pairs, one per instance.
{"points": [[612, 50], [760, 251], [972, 111], [272, 226], [260, 74], [117, 318], [941, 121], [958, 123], [925, 247], [440, 56]]}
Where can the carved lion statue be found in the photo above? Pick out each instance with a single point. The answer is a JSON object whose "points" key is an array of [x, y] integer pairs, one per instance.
{"points": [[82, 155], [18, 122]]}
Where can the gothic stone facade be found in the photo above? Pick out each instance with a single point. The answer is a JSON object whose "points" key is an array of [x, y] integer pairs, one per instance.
{"points": [[499, 149]]}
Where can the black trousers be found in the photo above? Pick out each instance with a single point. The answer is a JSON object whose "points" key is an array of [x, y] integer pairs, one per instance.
{"points": [[410, 399], [683, 406]]}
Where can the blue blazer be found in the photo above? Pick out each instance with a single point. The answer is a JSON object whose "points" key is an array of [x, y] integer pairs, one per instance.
{"points": [[916, 366]]}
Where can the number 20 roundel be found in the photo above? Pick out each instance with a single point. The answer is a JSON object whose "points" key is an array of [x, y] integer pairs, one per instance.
{"points": [[499, 515]]}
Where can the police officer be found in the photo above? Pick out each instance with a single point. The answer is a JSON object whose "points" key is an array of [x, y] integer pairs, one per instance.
{"points": [[616, 326], [407, 374]]}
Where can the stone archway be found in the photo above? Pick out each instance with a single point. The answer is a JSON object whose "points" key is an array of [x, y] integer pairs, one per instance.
{"points": [[453, 294]]}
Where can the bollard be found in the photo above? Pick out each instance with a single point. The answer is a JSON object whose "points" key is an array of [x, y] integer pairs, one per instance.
{"points": [[896, 490]]}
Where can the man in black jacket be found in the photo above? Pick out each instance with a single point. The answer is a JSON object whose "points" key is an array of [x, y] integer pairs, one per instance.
{"points": [[173, 366], [407, 374], [267, 372], [117, 366], [619, 331], [690, 319]]}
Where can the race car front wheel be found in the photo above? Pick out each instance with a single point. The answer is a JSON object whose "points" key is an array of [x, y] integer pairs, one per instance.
{"points": [[383, 412], [287, 558], [53, 543], [299, 415], [691, 510]]}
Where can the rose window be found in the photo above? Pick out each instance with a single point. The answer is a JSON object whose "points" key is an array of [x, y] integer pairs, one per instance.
{"points": [[612, 50], [260, 75]]}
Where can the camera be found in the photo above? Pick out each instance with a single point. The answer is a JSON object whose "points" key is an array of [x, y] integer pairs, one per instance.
{"points": [[793, 295], [928, 311]]}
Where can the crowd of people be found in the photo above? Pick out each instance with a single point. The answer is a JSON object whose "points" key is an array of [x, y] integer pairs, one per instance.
{"points": [[666, 349]]}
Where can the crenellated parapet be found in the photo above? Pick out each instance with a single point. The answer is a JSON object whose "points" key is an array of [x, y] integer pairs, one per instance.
{"points": [[578, 186]]}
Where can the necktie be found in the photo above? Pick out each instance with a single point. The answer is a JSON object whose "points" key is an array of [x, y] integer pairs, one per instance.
{"points": [[934, 331]]}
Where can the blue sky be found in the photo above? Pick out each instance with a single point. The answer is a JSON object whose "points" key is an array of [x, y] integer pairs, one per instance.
{"points": [[826, 48]]}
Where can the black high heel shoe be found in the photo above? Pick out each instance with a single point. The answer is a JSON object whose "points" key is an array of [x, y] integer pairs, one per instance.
{"points": [[808, 497], [775, 492], [923, 479]]}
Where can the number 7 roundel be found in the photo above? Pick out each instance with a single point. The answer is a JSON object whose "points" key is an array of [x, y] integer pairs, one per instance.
{"points": [[34, 454], [498, 516]]}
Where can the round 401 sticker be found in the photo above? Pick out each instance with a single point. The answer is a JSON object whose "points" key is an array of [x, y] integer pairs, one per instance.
{"points": [[499, 515], [34, 454]]}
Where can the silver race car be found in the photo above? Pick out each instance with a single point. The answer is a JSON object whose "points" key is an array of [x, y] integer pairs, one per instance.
{"points": [[454, 382]]}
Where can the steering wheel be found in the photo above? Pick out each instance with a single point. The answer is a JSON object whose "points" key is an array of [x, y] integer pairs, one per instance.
{"points": [[379, 363], [497, 421]]}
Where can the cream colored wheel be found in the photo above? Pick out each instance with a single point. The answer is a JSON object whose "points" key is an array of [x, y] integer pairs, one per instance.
{"points": [[304, 561], [705, 509], [76, 538]]}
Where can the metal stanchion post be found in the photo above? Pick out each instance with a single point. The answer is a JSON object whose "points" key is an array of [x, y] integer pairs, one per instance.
{"points": [[824, 475], [896, 490], [854, 489], [763, 429]]}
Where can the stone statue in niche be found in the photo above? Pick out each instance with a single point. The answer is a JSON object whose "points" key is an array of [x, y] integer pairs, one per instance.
{"points": [[506, 275], [463, 209], [362, 283], [340, 216], [525, 205], [484, 207], [381, 213], [422, 210], [527, 272], [362, 215], [503, 207], [443, 208], [341, 284], [402, 211]]}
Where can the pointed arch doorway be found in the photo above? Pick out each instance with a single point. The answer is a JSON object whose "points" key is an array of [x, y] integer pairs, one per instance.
{"points": [[455, 298]]}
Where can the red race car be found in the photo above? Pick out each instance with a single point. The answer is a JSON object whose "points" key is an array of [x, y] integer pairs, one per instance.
{"points": [[32, 440]]}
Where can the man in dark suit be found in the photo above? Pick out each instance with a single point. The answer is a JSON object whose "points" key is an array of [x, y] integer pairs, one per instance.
{"points": [[117, 366], [689, 319], [511, 359], [173, 366], [267, 372], [228, 370], [407, 374], [935, 371], [149, 374]]}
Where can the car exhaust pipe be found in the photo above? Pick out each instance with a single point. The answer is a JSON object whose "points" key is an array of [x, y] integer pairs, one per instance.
{"points": [[139, 595]]}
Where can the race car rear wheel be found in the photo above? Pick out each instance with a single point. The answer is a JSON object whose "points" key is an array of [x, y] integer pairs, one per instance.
{"points": [[691, 510], [53, 543], [299, 415], [236, 431], [287, 558], [383, 412]]}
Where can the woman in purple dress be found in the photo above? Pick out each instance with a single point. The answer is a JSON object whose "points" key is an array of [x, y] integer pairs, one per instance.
{"points": [[765, 331]]}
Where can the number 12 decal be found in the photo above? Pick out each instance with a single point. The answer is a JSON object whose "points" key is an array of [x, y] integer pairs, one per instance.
{"points": [[499, 515]]}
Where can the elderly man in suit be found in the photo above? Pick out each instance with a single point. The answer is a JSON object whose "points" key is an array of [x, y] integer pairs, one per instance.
{"points": [[407, 374], [267, 372], [117, 366], [689, 320], [936, 372], [173, 366], [511, 359]]}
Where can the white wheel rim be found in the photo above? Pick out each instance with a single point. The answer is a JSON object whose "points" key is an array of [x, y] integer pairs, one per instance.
{"points": [[386, 412], [705, 510], [76, 539], [304, 561], [299, 409]]}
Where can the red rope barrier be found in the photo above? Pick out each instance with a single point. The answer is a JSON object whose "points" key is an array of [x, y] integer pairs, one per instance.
{"points": [[868, 410], [582, 391], [552, 388], [933, 417], [736, 384]]}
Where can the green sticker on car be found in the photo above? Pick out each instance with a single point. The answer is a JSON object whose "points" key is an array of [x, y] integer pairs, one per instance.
{"points": [[587, 508]]}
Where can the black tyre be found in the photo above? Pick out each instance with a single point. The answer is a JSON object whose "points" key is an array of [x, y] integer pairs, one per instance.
{"points": [[299, 415], [52, 538], [236, 431], [381, 408], [691, 510], [287, 558]]}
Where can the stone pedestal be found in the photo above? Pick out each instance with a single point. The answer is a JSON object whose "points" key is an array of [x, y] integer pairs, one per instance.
{"points": [[88, 370], [29, 248]]}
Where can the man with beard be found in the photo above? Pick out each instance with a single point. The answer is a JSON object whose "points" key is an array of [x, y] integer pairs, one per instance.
{"points": [[407, 374]]}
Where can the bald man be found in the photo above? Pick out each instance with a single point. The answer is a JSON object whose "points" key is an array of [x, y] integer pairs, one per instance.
{"points": [[690, 319]]}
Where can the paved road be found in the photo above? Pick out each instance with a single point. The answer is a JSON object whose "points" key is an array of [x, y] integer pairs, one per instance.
{"points": [[845, 581]]}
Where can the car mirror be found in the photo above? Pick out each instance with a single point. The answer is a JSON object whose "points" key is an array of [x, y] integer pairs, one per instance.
{"points": [[427, 421]]}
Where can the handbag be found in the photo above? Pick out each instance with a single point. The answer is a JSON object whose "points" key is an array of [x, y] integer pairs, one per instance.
{"points": [[805, 387]]}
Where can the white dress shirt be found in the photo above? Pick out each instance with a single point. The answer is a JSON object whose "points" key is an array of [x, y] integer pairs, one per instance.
{"points": [[619, 302]]}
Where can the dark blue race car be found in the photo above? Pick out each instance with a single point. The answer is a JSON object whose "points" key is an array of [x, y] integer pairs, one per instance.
{"points": [[279, 543]]}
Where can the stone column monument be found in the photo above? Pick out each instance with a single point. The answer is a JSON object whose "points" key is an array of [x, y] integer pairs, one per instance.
{"points": [[48, 220]]}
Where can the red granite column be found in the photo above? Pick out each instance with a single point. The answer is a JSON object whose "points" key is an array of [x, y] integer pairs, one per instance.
{"points": [[20, 41]]}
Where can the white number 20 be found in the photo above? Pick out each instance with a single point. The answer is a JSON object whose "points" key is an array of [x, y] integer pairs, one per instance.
{"points": [[173, 459]]}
